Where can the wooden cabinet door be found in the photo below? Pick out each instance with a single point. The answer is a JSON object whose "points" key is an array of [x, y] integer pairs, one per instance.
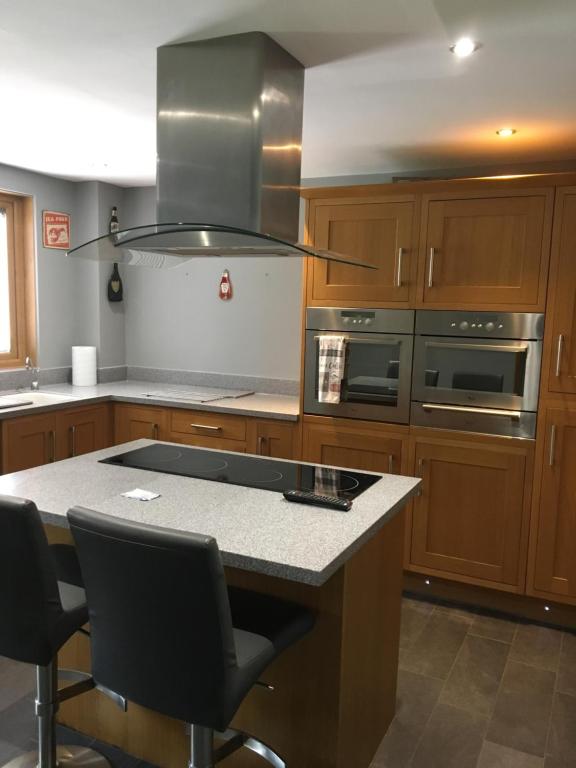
{"points": [[133, 422], [470, 521], [561, 337], [555, 545], [272, 438], [486, 251], [28, 441], [372, 450], [82, 430], [380, 233]]}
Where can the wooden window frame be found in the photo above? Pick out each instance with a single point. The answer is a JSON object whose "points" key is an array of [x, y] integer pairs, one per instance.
{"points": [[21, 280]]}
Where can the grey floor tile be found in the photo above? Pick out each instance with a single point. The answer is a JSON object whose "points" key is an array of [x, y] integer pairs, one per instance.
{"points": [[475, 678], [8, 752], [435, 650], [523, 708], [16, 681], [417, 696], [562, 740], [415, 616], [456, 613], [452, 739], [497, 756], [537, 646], [567, 670], [493, 628], [18, 724], [558, 762]]}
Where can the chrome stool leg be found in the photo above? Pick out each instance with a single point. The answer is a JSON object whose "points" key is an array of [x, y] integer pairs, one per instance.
{"points": [[49, 755], [234, 740], [201, 747]]}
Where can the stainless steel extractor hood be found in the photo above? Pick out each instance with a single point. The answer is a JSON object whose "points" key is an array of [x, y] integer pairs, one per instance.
{"points": [[229, 137]]}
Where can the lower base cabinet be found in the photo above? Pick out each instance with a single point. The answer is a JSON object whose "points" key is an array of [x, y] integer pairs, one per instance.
{"points": [[134, 422], [553, 540], [30, 441], [355, 444], [470, 522]]}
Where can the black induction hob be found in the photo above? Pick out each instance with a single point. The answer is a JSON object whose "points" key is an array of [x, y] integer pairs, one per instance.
{"points": [[249, 471]]}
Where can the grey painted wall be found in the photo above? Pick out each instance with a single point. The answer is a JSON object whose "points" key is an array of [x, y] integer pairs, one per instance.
{"points": [[174, 318], [71, 303]]}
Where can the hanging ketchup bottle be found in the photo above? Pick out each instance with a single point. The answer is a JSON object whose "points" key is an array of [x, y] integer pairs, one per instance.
{"points": [[225, 292]]}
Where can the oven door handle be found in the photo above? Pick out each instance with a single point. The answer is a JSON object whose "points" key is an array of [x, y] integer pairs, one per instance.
{"points": [[381, 342], [478, 347], [513, 415]]}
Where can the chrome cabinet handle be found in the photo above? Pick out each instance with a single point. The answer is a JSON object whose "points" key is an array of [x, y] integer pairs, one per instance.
{"points": [[390, 464], [552, 445], [206, 426], [155, 431], [398, 281], [431, 267], [513, 415], [73, 436], [261, 444], [559, 353], [52, 439]]}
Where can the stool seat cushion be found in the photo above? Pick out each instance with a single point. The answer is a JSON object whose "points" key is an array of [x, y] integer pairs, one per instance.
{"points": [[281, 622]]}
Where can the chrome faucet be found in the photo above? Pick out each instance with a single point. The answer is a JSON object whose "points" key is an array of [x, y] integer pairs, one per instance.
{"points": [[34, 384]]}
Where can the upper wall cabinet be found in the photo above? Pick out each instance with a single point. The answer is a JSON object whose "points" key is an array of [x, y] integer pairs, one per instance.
{"points": [[561, 331], [377, 230], [486, 250]]}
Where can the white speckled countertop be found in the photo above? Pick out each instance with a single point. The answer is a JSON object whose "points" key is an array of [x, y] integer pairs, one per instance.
{"points": [[256, 530], [284, 407]]}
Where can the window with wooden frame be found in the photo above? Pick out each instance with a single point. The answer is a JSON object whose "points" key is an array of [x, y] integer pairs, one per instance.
{"points": [[17, 281]]}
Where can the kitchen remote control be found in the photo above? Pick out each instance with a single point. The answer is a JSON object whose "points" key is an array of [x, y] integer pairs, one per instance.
{"points": [[307, 497]]}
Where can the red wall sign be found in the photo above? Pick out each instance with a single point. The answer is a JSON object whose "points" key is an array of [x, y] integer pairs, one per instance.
{"points": [[56, 230]]}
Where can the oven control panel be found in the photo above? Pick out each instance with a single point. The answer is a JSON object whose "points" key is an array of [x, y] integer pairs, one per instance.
{"points": [[503, 325]]}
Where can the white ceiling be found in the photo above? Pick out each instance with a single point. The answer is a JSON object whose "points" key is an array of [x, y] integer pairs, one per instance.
{"points": [[383, 92]]}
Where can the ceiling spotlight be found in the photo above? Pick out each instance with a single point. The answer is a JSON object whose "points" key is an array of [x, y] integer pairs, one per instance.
{"points": [[464, 47], [506, 132]]}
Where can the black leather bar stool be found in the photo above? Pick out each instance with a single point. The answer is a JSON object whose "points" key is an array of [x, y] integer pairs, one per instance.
{"points": [[41, 606], [167, 634]]}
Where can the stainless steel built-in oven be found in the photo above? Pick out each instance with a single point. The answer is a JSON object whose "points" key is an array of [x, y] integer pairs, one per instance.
{"points": [[378, 362], [477, 371]]}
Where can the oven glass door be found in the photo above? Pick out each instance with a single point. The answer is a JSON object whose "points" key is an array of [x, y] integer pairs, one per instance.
{"points": [[480, 372], [376, 383]]}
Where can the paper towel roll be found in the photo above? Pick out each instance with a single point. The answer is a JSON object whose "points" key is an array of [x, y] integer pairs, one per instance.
{"points": [[83, 366]]}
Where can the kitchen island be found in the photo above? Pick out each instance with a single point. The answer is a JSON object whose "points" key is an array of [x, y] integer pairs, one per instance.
{"points": [[334, 691]]}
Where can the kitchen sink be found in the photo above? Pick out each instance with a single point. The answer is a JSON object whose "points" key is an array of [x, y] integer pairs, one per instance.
{"points": [[22, 399]]}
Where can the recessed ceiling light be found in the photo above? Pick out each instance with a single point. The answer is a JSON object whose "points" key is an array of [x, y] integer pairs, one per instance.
{"points": [[505, 132], [464, 47]]}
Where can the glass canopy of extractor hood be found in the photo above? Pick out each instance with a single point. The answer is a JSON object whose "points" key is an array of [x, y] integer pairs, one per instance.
{"points": [[168, 245]]}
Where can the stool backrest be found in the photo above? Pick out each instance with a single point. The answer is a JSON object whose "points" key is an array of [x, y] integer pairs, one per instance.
{"points": [[30, 604], [160, 624]]}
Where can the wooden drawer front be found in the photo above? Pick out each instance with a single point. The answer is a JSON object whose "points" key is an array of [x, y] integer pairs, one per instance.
{"points": [[208, 425], [470, 519], [370, 451], [486, 251]]}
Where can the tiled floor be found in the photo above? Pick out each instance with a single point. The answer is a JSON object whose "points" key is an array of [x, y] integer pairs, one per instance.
{"points": [[481, 692], [474, 692]]}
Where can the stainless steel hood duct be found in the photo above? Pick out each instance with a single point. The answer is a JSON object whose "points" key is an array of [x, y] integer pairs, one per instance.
{"points": [[229, 137]]}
